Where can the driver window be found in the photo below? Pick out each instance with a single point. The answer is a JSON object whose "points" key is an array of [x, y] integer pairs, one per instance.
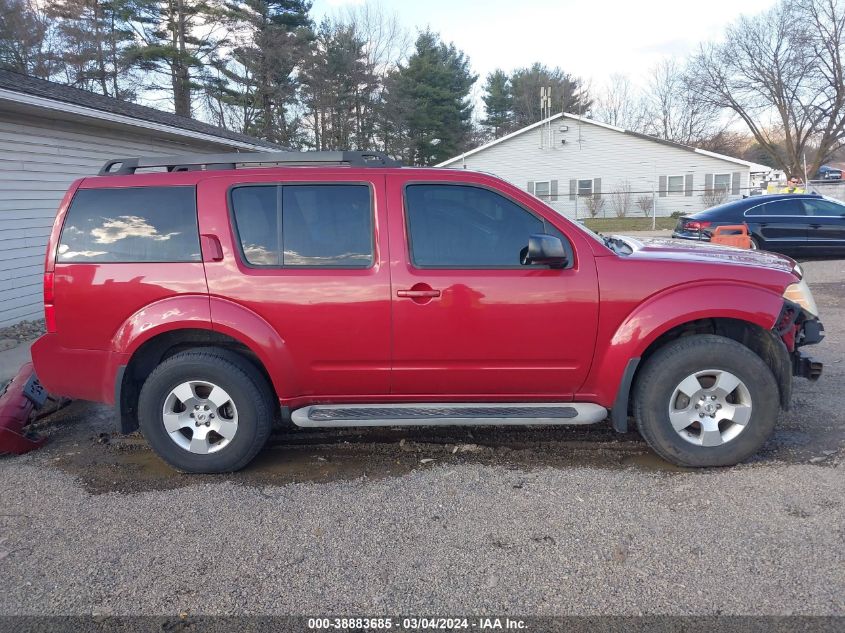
{"points": [[461, 226]]}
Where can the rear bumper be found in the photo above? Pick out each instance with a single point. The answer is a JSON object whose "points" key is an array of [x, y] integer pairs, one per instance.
{"points": [[84, 374]]}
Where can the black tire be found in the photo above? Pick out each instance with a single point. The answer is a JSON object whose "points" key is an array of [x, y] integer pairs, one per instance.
{"points": [[248, 389], [755, 243], [664, 371]]}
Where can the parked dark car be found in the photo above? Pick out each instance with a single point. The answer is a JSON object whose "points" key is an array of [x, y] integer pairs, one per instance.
{"points": [[783, 223], [826, 172]]}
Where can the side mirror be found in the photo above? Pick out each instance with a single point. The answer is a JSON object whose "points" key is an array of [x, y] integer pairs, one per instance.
{"points": [[544, 250]]}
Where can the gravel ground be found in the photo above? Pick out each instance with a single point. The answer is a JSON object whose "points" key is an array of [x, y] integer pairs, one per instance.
{"points": [[547, 521]]}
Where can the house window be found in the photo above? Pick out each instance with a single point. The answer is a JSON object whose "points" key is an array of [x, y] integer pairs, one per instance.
{"points": [[675, 185], [585, 187], [542, 189], [722, 182]]}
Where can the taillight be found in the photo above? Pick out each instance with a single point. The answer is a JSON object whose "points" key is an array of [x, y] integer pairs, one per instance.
{"points": [[697, 225], [49, 307]]}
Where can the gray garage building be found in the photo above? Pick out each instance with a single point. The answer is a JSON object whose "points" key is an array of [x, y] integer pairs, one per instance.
{"points": [[50, 135]]}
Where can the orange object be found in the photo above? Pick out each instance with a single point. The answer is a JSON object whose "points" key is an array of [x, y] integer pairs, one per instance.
{"points": [[731, 235]]}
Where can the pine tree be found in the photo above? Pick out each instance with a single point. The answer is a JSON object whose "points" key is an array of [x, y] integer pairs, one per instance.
{"points": [[178, 38], [568, 95], [337, 89], [498, 103], [262, 73], [427, 106], [27, 37], [95, 36]]}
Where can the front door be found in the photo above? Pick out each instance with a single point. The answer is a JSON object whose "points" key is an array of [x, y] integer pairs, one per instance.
{"points": [[469, 321]]}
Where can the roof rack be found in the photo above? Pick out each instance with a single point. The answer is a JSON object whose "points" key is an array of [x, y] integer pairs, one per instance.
{"points": [[197, 162]]}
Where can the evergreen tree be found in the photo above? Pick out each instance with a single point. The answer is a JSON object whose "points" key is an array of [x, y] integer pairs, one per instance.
{"points": [[428, 111], [95, 36], [176, 40], [338, 88], [26, 39], [498, 103], [261, 75], [568, 94]]}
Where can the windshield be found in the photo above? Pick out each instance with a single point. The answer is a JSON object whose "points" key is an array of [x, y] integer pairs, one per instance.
{"points": [[617, 245]]}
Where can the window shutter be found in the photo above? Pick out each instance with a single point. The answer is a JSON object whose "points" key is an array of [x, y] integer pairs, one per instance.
{"points": [[735, 182], [662, 187], [553, 190], [573, 189], [708, 182], [531, 186], [688, 185], [596, 187]]}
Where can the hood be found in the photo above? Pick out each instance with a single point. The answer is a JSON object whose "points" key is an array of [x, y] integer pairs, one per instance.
{"points": [[704, 252]]}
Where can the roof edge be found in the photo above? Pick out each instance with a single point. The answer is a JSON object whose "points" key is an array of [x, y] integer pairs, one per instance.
{"points": [[582, 119], [144, 124]]}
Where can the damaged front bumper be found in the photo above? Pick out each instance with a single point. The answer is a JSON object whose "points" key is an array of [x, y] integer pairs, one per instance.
{"points": [[798, 328]]}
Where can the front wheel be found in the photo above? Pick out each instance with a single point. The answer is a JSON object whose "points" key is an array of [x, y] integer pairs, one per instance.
{"points": [[705, 400], [206, 411]]}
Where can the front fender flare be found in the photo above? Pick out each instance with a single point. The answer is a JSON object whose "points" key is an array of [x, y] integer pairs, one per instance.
{"points": [[661, 313]]}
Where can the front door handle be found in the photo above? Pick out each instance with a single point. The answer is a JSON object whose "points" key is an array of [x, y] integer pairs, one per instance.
{"points": [[418, 294]]}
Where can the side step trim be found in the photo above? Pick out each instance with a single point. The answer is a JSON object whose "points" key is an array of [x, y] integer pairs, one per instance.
{"points": [[449, 414]]}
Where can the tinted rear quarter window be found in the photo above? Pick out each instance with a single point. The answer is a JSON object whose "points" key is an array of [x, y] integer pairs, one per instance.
{"points": [[780, 208], [134, 224], [305, 225]]}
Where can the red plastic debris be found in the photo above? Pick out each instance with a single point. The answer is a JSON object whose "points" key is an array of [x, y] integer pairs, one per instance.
{"points": [[23, 394]]}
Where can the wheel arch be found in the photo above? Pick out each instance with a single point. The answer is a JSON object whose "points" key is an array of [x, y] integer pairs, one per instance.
{"points": [[743, 312], [154, 349]]}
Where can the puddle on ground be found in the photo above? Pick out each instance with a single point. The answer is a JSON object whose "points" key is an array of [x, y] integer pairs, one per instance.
{"points": [[82, 444]]}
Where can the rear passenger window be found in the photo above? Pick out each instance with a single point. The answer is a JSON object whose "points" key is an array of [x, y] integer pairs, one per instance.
{"points": [[779, 208], [304, 225], [133, 224]]}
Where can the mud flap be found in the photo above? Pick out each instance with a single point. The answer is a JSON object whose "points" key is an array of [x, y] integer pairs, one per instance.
{"points": [[17, 401]]}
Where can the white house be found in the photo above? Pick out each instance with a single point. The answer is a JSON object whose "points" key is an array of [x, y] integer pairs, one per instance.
{"points": [[50, 135], [582, 167]]}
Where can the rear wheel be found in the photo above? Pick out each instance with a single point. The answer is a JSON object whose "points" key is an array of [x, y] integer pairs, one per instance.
{"points": [[705, 400], [755, 246], [206, 411]]}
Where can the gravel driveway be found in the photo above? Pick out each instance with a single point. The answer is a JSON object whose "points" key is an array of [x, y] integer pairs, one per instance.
{"points": [[448, 521]]}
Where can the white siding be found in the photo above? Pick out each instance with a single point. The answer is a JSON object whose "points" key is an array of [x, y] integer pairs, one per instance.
{"points": [[39, 158], [592, 151]]}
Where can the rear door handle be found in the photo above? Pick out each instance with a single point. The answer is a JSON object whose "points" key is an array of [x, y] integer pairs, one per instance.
{"points": [[418, 294]]}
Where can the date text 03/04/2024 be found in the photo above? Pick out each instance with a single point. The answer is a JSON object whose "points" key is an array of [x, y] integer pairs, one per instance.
{"points": [[417, 623]]}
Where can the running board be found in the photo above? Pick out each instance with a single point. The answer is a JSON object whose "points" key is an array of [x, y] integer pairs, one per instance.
{"points": [[448, 414]]}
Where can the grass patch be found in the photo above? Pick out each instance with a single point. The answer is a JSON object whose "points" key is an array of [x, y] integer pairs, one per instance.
{"points": [[620, 225]]}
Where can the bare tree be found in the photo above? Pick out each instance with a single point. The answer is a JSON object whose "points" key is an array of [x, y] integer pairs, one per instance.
{"points": [[645, 203], [782, 73], [674, 110], [594, 204], [713, 197], [620, 199], [620, 104]]}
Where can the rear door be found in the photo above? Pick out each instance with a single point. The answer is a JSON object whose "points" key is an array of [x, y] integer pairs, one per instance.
{"points": [[469, 321], [307, 253], [826, 224], [781, 223]]}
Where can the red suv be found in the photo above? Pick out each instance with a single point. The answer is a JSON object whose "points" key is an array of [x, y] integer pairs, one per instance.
{"points": [[207, 299]]}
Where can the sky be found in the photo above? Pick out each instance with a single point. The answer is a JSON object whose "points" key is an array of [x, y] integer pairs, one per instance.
{"points": [[588, 38]]}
